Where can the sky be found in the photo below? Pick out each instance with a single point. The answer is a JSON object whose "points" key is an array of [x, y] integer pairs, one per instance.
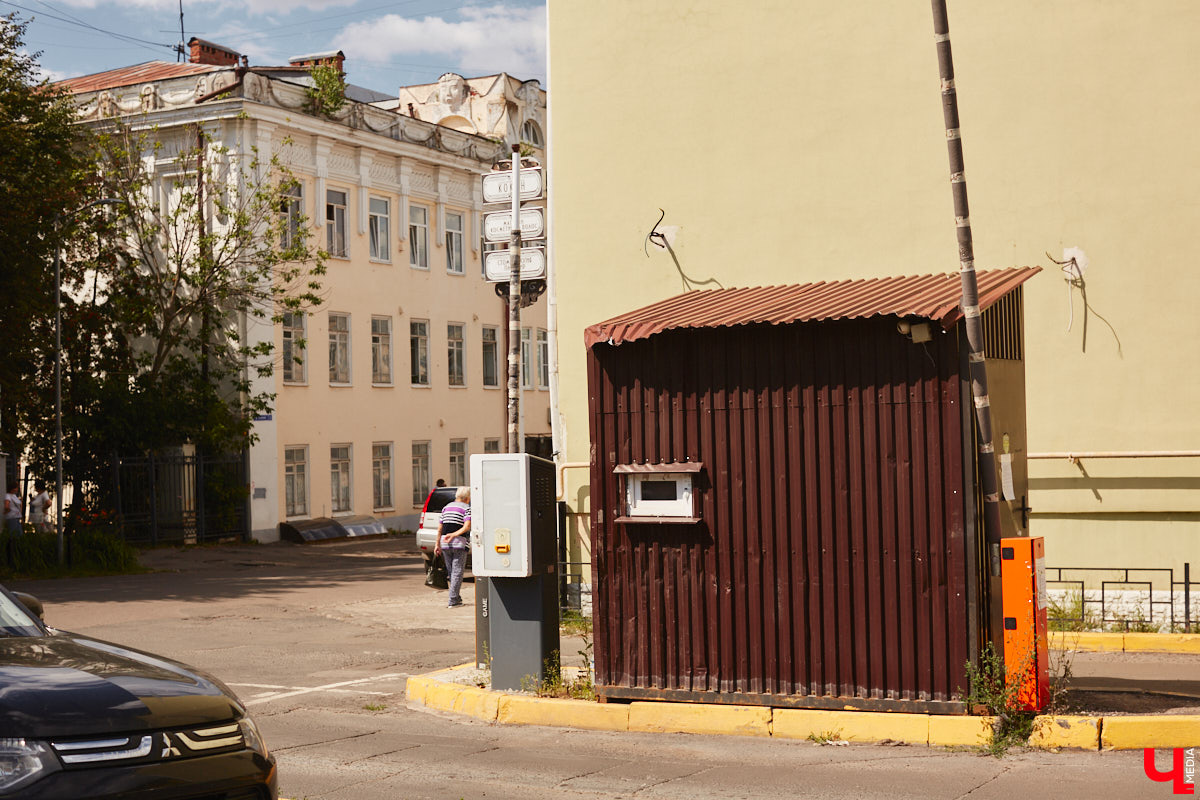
{"points": [[387, 45]]}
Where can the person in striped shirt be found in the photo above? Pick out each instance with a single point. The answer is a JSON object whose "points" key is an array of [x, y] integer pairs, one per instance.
{"points": [[454, 530]]}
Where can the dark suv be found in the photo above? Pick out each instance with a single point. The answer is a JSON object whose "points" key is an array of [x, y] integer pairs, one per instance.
{"points": [[84, 718]]}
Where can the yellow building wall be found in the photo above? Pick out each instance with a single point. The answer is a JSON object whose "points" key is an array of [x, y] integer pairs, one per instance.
{"points": [[798, 141]]}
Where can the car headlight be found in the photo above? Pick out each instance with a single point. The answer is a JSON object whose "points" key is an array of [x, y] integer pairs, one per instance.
{"points": [[254, 740], [23, 761]]}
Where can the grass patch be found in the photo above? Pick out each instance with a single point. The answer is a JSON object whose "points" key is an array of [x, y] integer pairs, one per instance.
{"points": [[574, 623], [33, 555]]}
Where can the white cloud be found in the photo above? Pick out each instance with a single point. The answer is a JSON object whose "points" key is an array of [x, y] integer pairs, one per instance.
{"points": [[486, 40], [248, 6]]}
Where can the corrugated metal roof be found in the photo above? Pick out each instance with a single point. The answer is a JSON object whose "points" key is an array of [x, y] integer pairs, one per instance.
{"points": [[130, 76], [934, 297]]}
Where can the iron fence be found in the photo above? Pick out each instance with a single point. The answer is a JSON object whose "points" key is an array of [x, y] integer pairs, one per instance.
{"points": [[1122, 598], [181, 499]]}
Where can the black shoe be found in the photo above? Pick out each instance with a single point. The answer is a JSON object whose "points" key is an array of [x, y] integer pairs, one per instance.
{"points": [[454, 605]]}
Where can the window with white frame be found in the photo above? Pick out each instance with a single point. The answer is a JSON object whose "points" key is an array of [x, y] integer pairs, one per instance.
{"points": [[381, 350], [526, 358], [491, 356], [418, 345], [378, 229], [455, 357], [335, 223], [295, 481], [665, 491], [454, 242], [339, 347], [339, 478], [381, 475], [291, 212], [531, 133], [420, 472], [458, 462], [543, 360], [293, 347], [418, 236], [491, 445]]}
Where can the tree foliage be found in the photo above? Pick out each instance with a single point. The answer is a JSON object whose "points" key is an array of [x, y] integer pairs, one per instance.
{"points": [[44, 173], [327, 94]]}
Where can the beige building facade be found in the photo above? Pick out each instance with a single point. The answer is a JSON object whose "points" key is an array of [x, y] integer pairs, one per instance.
{"points": [[787, 142], [399, 375]]}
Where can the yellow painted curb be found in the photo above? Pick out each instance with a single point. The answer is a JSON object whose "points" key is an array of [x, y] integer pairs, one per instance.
{"points": [[1079, 732], [850, 726], [1162, 643], [960, 731], [518, 710], [469, 700], [700, 718], [417, 687], [1095, 642], [1137, 732]]}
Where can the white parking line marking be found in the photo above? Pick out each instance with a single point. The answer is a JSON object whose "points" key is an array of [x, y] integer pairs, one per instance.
{"points": [[327, 687]]}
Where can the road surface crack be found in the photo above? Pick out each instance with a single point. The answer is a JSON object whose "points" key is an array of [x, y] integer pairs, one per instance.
{"points": [[985, 783]]}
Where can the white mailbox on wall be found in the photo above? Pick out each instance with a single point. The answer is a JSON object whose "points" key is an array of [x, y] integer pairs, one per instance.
{"points": [[512, 515]]}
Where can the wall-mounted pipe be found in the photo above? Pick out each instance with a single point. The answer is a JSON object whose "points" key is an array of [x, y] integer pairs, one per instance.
{"points": [[563, 467], [1119, 454]]}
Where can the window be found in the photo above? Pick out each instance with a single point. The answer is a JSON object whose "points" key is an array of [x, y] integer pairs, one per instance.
{"points": [[526, 359], [454, 243], [418, 344], [418, 236], [381, 475], [339, 348], [381, 349], [543, 360], [491, 445], [458, 462], [335, 223], [291, 211], [659, 490], [420, 472], [377, 229], [339, 478], [454, 355], [295, 480], [293, 347], [532, 133], [491, 357]]}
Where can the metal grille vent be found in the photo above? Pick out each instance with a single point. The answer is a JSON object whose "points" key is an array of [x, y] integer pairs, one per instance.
{"points": [[145, 747]]}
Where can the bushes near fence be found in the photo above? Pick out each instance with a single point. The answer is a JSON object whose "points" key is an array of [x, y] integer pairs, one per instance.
{"points": [[92, 551]]}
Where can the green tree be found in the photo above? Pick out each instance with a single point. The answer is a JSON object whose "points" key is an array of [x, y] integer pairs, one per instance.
{"points": [[44, 172], [327, 94]]}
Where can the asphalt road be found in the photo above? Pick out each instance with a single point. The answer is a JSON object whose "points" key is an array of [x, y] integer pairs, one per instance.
{"points": [[319, 640]]}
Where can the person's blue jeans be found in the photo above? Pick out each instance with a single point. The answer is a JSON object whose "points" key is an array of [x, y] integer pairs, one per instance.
{"points": [[12, 524], [456, 558]]}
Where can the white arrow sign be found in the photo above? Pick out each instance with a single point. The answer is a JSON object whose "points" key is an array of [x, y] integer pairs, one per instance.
{"points": [[498, 227], [497, 264], [497, 186]]}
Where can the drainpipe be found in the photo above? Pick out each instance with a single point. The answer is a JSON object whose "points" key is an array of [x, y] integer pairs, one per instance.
{"points": [[970, 290]]}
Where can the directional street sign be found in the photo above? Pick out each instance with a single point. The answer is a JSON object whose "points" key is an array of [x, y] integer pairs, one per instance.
{"points": [[497, 186], [497, 227], [497, 264]]}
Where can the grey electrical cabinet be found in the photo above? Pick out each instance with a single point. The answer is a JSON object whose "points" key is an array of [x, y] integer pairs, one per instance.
{"points": [[514, 544]]}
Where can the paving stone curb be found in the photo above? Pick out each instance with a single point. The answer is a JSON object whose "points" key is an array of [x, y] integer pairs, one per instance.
{"points": [[439, 691], [1088, 641]]}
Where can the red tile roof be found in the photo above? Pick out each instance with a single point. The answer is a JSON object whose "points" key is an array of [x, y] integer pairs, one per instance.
{"points": [[934, 297], [131, 76]]}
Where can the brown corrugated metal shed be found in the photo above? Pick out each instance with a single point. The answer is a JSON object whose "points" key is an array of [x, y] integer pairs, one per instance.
{"points": [[831, 558]]}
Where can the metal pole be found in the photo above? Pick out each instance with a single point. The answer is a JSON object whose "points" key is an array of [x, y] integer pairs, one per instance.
{"points": [[58, 434], [1187, 597], [514, 307], [970, 289]]}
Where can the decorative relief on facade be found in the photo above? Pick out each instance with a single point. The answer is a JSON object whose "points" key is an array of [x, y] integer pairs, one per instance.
{"points": [[458, 188], [292, 153], [149, 95], [421, 180], [343, 162], [384, 170]]}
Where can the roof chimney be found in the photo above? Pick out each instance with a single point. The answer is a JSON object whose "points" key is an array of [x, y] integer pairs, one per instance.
{"points": [[334, 58], [203, 52]]}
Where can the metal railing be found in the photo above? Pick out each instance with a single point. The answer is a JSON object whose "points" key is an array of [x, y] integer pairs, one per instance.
{"points": [[1122, 598]]}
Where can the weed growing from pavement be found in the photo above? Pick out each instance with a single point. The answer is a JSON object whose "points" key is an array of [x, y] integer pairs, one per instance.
{"points": [[1070, 613], [374, 707], [557, 682], [988, 685], [828, 737], [574, 623]]}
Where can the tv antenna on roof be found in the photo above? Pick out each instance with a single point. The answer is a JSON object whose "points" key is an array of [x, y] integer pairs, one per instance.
{"points": [[180, 48]]}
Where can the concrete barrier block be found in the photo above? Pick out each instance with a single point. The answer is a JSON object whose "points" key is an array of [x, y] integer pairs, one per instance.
{"points": [[709, 718], [851, 726], [416, 687], [469, 700], [1160, 730], [950, 731], [1077, 732], [518, 710], [1162, 643], [1087, 641]]}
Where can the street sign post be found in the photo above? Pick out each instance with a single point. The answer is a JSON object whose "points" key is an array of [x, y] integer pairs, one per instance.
{"points": [[497, 186], [497, 227], [497, 264]]}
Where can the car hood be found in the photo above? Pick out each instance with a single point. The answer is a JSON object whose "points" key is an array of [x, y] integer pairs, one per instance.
{"points": [[68, 685]]}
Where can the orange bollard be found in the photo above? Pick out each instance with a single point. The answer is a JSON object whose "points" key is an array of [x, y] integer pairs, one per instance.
{"points": [[1023, 600]]}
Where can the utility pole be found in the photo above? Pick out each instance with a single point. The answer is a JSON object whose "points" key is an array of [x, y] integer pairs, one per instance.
{"points": [[514, 308], [970, 290]]}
